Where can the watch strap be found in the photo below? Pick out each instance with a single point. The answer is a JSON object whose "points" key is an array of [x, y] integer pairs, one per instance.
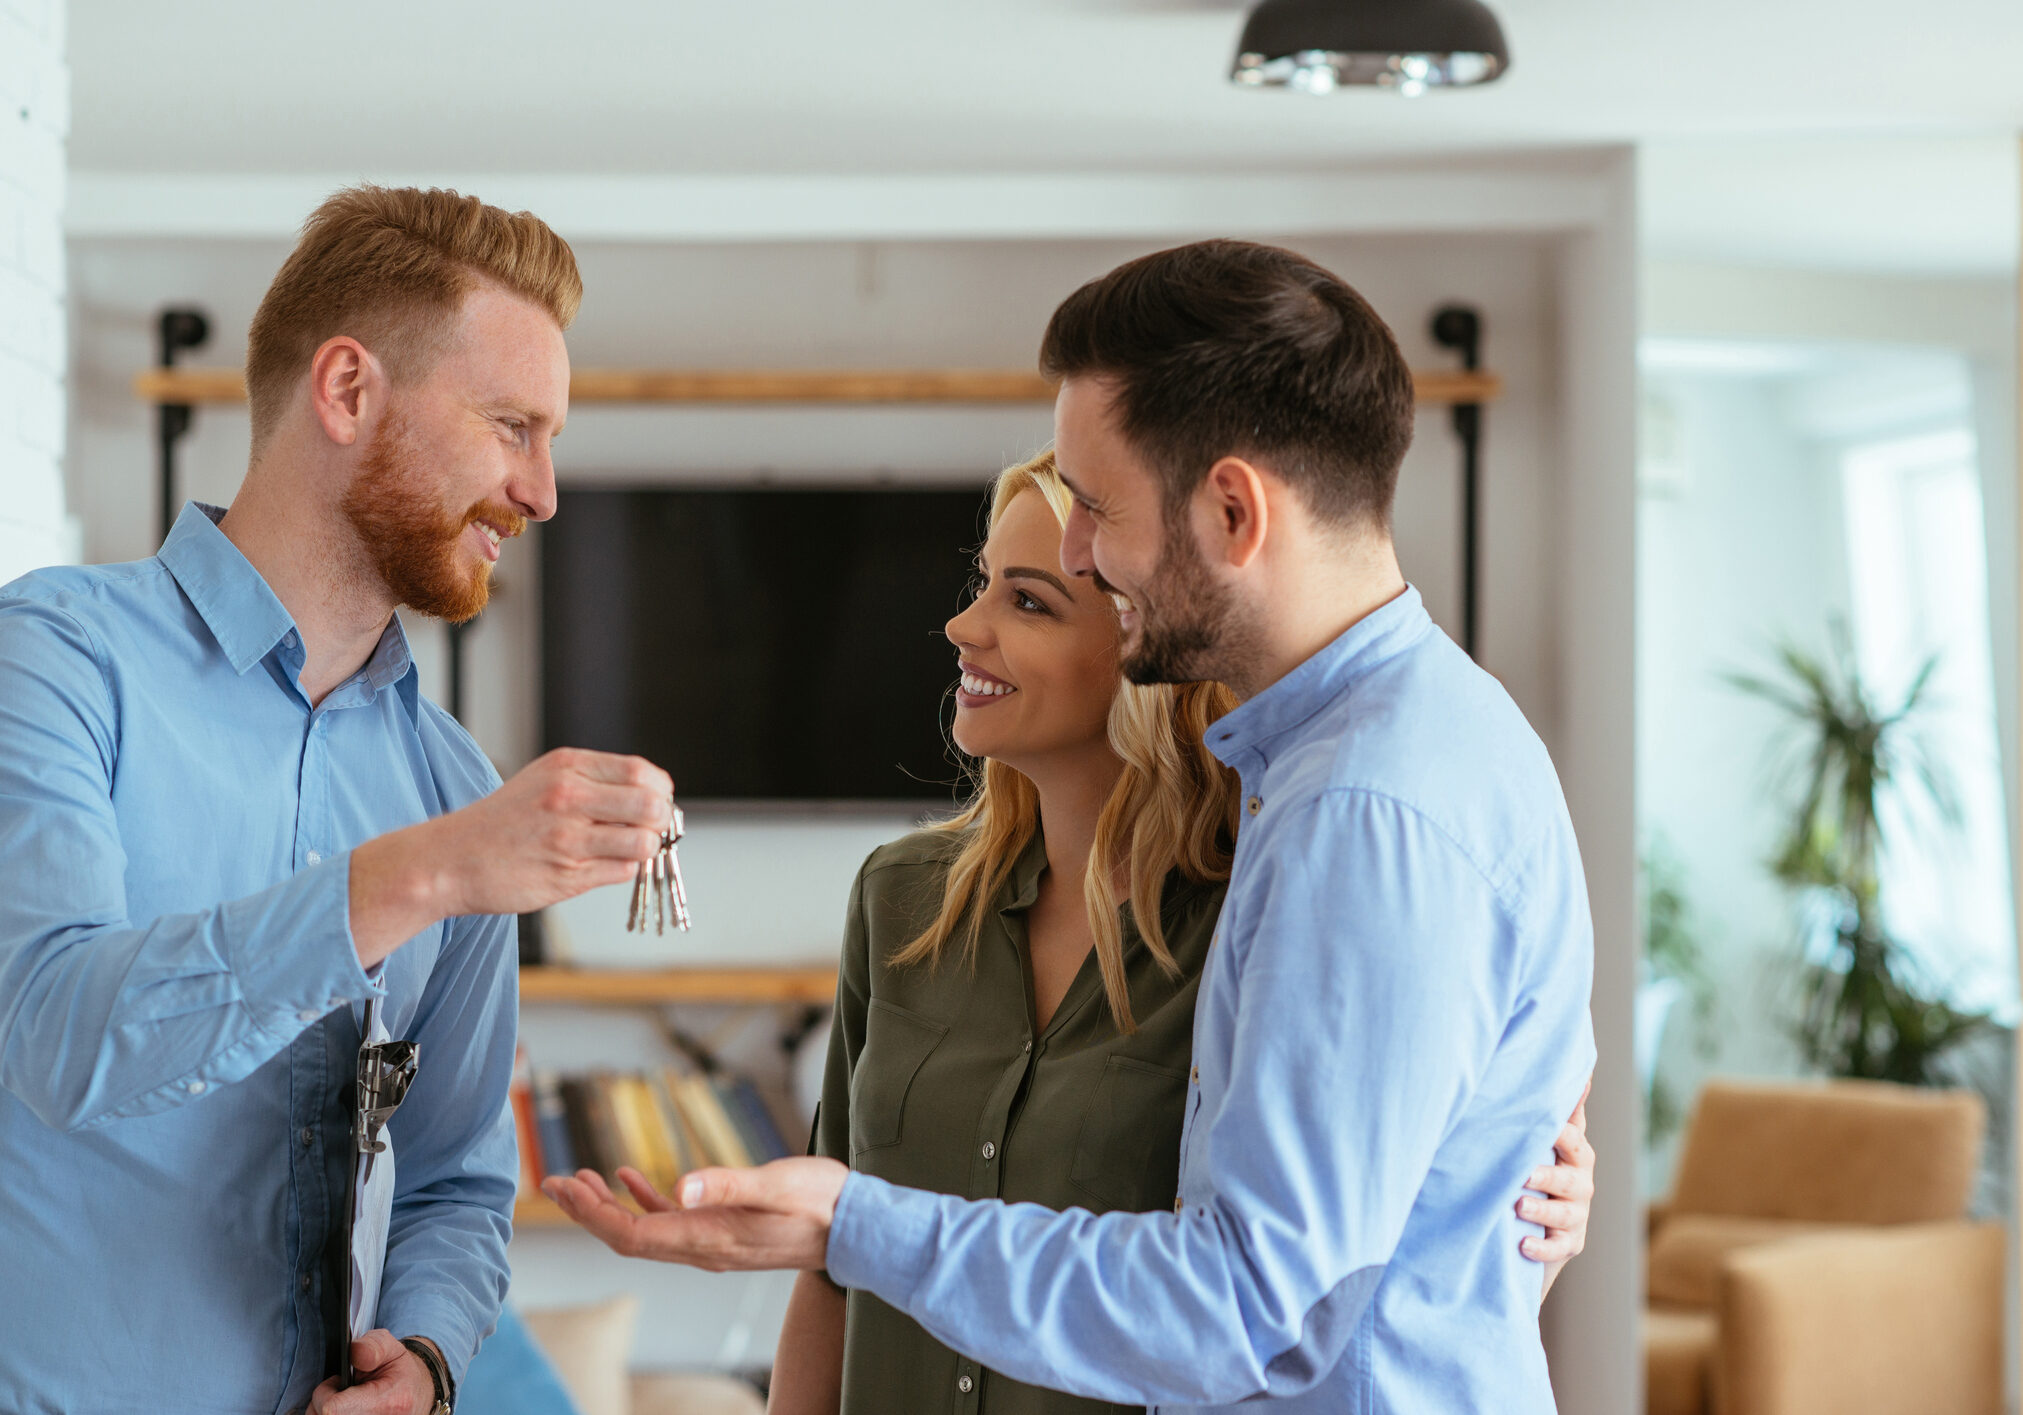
{"points": [[438, 1372]]}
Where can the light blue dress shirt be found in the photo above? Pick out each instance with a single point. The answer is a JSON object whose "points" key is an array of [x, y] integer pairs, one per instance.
{"points": [[1392, 1028], [180, 997]]}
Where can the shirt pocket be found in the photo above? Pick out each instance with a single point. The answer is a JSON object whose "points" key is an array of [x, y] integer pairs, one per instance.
{"points": [[1128, 1153], [896, 1044]]}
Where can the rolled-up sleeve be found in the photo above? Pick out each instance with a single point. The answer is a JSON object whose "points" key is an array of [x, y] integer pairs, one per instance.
{"points": [[102, 1018], [457, 1160], [1371, 985]]}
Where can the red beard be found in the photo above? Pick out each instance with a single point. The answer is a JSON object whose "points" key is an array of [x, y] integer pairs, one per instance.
{"points": [[413, 542]]}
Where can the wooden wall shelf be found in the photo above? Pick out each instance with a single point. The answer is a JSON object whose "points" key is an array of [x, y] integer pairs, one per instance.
{"points": [[192, 386], [813, 985]]}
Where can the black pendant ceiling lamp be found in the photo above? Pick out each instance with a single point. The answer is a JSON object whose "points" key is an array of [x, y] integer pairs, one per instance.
{"points": [[1317, 46]]}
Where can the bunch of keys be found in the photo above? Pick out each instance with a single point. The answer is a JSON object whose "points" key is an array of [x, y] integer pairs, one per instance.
{"points": [[658, 884]]}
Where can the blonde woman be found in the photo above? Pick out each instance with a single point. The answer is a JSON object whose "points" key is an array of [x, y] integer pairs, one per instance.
{"points": [[1016, 1004]]}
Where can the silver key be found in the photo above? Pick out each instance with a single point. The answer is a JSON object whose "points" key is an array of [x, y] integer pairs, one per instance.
{"points": [[635, 917], [677, 893], [658, 880]]}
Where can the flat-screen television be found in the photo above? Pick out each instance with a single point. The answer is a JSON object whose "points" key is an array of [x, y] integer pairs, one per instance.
{"points": [[760, 644]]}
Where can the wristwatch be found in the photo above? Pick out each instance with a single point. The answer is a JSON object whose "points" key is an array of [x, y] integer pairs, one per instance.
{"points": [[438, 1371]]}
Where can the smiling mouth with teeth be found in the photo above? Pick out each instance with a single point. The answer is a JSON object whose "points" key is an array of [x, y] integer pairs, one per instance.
{"points": [[985, 687]]}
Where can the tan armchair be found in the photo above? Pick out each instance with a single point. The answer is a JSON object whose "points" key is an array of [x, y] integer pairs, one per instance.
{"points": [[1814, 1257]]}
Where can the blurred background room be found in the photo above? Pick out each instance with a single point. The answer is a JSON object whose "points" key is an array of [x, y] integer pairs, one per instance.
{"points": [[1715, 315]]}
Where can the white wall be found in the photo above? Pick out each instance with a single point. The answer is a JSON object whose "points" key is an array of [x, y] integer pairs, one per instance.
{"points": [[34, 118]]}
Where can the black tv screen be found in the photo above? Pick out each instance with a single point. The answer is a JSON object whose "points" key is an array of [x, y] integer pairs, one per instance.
{"points": [[760, 644]]}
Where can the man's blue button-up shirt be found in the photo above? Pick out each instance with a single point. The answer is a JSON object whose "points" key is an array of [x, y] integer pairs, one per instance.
{"points": [[1392, 1027], [180, 996]]}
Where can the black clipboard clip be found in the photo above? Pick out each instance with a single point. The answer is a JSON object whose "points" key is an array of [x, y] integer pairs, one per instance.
{"points": [[385, 1071]]}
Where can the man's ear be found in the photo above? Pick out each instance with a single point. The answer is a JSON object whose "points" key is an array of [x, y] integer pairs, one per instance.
{"points": [[346, 387], [1233, 497]]}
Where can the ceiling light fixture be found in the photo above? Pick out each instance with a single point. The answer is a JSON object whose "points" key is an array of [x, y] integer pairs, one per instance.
{"points": [[1317, 46]]}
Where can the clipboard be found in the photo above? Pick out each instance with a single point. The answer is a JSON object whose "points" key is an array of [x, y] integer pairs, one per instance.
{"points": [[386, 1069]]}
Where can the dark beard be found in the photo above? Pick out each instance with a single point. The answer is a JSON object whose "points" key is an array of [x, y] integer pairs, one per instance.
{"points": [[1185, 618], [412, 540]]}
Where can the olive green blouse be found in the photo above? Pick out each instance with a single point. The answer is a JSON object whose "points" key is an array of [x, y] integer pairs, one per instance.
{"points": [[938, 1079]]}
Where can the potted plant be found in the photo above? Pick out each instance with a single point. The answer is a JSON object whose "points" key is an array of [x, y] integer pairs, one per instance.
{"points": [[1864, 1011]]}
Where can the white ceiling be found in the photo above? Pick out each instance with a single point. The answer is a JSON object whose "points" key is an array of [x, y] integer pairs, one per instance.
{"points": [[946, 86]]}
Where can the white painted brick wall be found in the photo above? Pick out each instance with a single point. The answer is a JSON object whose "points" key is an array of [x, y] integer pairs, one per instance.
{"points": [[34, 121]]}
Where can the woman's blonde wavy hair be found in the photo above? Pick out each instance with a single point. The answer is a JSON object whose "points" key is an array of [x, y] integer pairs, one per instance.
{"points": [[1174, 807]]}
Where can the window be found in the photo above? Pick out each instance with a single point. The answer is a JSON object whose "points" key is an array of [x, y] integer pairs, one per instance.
{"points": [[1918, 586]]}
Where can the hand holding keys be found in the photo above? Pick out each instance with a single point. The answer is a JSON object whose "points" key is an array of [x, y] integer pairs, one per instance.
{"points": [[658, 884]]}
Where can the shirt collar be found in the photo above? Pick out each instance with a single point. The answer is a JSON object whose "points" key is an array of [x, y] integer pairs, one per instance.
{"points": [[244, 615], [1021, 889], [391, 666], [1293, 699], [249, 621], [1022, 886]]}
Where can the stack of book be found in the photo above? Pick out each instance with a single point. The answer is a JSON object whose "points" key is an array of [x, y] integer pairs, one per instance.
{"points": [[662, 1124]]}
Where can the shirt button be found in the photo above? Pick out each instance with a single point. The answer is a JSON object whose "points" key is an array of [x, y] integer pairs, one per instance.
{"points": [[1194, 1075], [989, 1150], [307, 1014], [305, 1282], [308, 1137], [1028, 1045], [1178, 1204], [965, 1385], [316, 859], [1254, 804], [196, 1088]]}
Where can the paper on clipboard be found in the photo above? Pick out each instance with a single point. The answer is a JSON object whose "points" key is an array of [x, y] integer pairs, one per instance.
{"points": [[372, 1212]]}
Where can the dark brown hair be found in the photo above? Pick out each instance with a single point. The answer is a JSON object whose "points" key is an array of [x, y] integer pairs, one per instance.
{"points": [[390, 267], [1226, 348]]}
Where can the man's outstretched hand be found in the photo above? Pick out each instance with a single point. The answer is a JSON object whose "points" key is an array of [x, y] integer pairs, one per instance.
{"points": [[724, 1220]]}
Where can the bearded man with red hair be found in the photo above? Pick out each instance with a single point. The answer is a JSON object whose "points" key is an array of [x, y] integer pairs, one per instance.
{"points": [[229, 821]]}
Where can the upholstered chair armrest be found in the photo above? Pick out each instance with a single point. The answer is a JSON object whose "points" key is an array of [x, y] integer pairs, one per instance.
{"points": [[1898, 1320]]}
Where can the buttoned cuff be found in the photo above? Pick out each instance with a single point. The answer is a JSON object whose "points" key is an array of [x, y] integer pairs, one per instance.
{"points": [[291, 949], [444, 1323], [883, 1237]]}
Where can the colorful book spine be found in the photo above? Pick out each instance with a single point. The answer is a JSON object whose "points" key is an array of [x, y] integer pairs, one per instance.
{"points": [[720, 1137], [551, 1122], [526, 1129], [611, 1147], [578, 1100], [740, 1100]]}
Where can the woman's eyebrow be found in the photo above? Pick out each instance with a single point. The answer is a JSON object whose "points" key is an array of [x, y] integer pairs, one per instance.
{"points": [[1027, 572]]}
